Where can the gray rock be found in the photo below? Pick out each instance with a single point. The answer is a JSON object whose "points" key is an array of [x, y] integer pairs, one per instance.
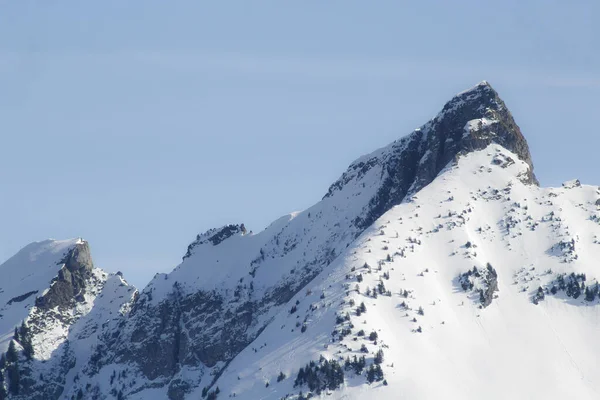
{"points": [[414, 161], [71, 279]]}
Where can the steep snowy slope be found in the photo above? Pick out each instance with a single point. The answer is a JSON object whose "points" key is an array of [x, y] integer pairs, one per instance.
{"points": [[438, 339]]}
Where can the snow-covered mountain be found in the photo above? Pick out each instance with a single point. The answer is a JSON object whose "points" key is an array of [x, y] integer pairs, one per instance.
{"points": [[55, 304], [434, 267]]}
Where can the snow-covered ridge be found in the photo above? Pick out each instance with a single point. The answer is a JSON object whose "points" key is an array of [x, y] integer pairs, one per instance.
{"points": [[406, 269], [25, 276], [56, 300], [435, 256], [246, 279]]}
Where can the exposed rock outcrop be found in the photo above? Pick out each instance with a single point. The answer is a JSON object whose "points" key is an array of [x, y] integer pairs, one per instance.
{"points": [[215, 237], [70, 283], [470, 121]]}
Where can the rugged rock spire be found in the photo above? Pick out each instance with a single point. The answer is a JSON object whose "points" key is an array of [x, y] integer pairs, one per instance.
{"points": [[68, 286], [470, 121]]}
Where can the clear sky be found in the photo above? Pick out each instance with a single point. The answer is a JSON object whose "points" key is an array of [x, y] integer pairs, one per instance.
{"points": [[137, 124]]}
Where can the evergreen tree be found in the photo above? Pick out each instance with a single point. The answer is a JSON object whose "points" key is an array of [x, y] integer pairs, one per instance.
{"points": [[11, 355], [3, 393], [374, 373], [212, 395], [281, 376], [379, 357], [378, 373], [371, 374], [322, 376], [14, 378], [356, 364], [362, 307], [23, 330], [25, 335], [16, 335]]}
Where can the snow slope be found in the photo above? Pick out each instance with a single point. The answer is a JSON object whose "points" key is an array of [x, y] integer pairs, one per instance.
{"points": [[511, 349]]}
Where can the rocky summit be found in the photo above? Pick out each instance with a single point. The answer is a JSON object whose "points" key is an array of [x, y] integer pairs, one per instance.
{"points": [[435, 267]]}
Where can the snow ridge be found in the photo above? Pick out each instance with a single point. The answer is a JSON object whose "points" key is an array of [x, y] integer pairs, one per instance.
{"points": [[436, 256]]}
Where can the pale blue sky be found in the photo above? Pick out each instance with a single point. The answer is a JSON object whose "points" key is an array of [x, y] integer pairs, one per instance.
{"points": [[138, 124]]}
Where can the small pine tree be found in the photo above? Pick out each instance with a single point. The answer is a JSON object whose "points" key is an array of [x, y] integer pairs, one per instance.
{"points": [[23, 330], [371, 374], [14, 378], [281, 376], [3, 394], [378, 373], [379, 357], [11, 355], [212, 395], [28, 348]]}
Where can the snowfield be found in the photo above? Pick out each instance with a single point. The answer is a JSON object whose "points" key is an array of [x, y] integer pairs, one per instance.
{"points": [[511, 349]]}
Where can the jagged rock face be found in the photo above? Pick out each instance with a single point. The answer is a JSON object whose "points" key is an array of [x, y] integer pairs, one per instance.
{"points": [[203, 329], [168, 335], [470, 121], [70, 282], [62, 324]]}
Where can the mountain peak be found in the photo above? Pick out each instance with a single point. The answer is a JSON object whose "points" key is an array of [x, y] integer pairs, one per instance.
{"points": [[470, 121], [483, 85], [476, 99]]}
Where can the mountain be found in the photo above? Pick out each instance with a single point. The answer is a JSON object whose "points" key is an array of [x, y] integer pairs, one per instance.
{"points": [[55, 304], [433, 267]]}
